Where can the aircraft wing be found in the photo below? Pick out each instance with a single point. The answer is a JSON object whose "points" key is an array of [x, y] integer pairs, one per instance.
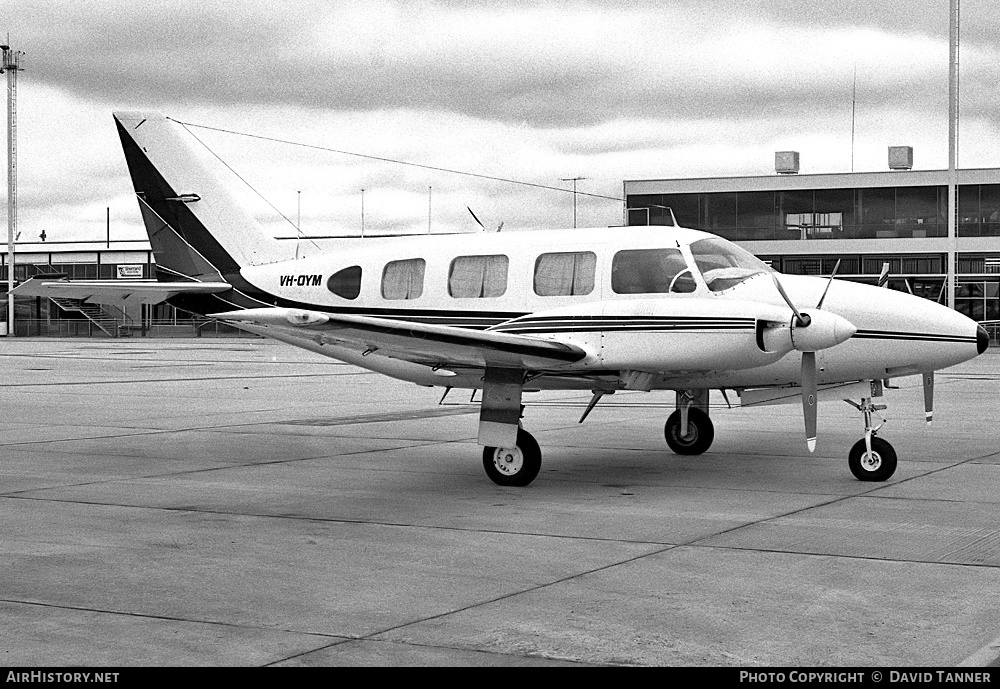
{"points": [[115, 292], [421, 343]]}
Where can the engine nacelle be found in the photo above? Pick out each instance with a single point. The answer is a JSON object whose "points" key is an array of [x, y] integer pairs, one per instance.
{"points": [[824, 330]]}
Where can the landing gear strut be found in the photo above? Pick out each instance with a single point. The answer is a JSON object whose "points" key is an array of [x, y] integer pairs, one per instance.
{"points": [[514, 466], [871, 458], [876, 464], [688, 430], [698, 436]]}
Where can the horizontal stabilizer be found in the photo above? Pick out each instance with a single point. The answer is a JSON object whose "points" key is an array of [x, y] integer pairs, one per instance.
{"points": [[422, 343], [115, 292]]}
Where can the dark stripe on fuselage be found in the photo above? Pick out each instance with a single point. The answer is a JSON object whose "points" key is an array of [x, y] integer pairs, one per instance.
{"points": [[586, 324], [610, 328], [920, 337]]}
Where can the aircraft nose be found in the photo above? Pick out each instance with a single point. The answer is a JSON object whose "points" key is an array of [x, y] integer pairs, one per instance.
{"points": [[982, 339]]}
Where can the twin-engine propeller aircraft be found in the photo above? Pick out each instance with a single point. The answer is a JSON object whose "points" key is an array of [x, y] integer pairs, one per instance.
{"points": [[632, 308]]}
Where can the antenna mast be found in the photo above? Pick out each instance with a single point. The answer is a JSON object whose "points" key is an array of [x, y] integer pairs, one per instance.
{"points": [[11, 65], [574, 180]]}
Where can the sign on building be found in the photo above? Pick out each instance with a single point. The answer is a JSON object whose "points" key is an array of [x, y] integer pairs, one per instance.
{"points": [[128, 271]]}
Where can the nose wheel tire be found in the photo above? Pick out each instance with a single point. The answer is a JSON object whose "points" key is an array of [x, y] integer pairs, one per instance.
{"points": [[877, 466], [699, 436], [514, 466]]}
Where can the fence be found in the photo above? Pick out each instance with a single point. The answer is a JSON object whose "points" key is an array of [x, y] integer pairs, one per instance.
{"points": [[66, 327]]}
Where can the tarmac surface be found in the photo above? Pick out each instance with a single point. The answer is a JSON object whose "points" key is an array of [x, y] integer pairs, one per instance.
{"points": [[238, 502]]}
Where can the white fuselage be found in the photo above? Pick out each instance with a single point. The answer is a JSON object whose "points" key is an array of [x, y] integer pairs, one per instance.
{"points": [[693, 336]]}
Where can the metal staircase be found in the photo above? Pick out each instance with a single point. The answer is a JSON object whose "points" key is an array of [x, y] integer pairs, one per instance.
{"points": [[93, 312]]}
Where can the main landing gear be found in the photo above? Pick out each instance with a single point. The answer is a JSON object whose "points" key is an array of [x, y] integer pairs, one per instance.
{"points": [[691, 438], [688, 430], [514, 466]]}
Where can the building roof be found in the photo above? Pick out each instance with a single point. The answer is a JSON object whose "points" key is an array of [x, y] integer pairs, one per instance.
{"points": [[839, 180]]}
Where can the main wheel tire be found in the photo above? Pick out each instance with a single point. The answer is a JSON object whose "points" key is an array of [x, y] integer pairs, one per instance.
{"points": [[514, 466], [878, 466], [701, 432]]}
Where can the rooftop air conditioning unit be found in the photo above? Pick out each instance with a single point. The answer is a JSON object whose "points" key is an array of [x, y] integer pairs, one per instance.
{"points": [[786, 162], [900, 157]]}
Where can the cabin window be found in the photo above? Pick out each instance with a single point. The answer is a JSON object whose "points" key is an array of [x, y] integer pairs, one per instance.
{"points": [[478, 276], [346, 283], [565, 274], [403, 279], [650, 271]]}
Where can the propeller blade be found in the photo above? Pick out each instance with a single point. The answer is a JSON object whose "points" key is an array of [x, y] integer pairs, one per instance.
{"points": [[809, 397], [475, 218], [801, 319], [883, 277], [836, 267], [928, 395]]}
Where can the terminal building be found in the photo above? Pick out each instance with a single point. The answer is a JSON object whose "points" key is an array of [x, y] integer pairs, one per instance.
{"points": [[802, 224], [98, 260]]}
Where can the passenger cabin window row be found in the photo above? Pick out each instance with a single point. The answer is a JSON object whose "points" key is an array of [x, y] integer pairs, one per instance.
{"points": [[556, 274]]}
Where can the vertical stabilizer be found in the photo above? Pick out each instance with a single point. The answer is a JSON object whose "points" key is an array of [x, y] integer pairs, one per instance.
{"points": [[195, 226]]}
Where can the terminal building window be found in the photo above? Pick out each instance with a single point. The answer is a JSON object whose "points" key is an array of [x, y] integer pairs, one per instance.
{"points": [[565, 274], [861, 213], [977, 293], [978, 299], [979, 210], [755, 213], [853, 264], [478, 276]]}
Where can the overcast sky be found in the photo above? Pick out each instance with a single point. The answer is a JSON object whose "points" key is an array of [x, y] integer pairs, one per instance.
{"points": [[531, 91]]}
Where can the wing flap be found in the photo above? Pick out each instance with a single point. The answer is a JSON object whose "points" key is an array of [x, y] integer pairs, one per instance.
{"points": [[422, 343]]}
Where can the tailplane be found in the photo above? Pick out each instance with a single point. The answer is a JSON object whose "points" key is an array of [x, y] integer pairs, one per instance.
{"points": [[196, 228]]}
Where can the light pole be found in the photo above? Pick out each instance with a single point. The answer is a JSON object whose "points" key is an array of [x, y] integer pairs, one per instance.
{"points": [[11, 65], [954, 37], [574, 180]]}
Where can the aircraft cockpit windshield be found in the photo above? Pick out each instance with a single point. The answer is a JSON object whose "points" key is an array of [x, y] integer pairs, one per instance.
{"points": [[723, 264]]}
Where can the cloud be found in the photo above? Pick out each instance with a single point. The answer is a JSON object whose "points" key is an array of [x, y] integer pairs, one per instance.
{"points": [[544, 64], [536, 91]]}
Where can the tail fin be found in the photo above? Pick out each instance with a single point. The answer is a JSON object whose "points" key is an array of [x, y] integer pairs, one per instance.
{"points": [[196, 229]]}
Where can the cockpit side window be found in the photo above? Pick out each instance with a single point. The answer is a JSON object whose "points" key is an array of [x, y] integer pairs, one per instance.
{"points": [[723, 264], [650, 271], [346, 283]]}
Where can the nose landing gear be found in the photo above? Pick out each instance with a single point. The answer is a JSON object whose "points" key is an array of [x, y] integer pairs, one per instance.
{"points": [[871, 458]]}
